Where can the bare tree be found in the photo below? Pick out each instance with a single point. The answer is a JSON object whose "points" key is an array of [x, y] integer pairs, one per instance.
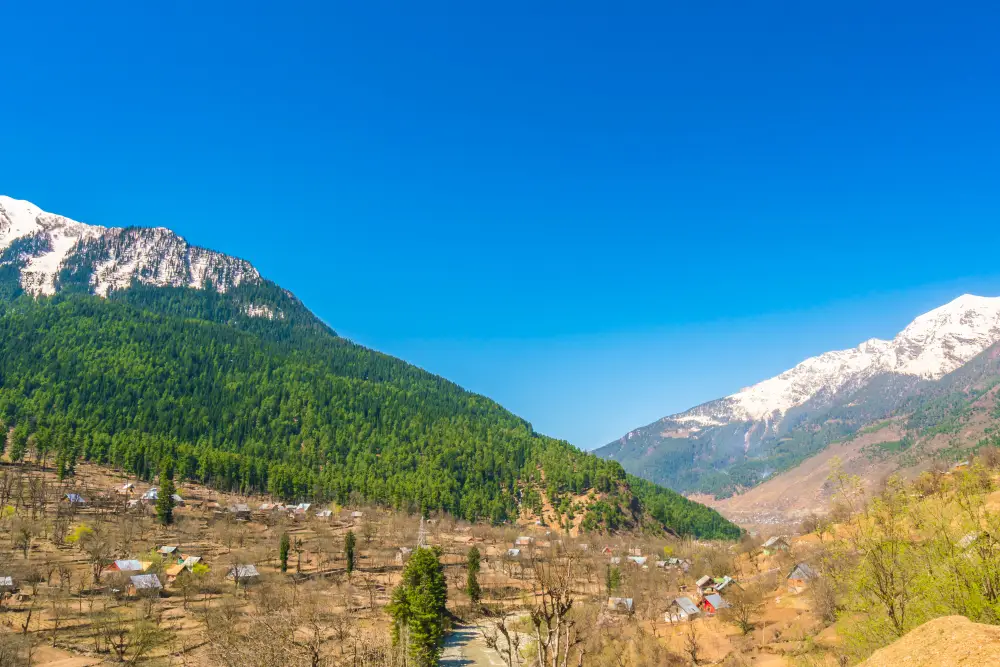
{"points": [[692, 644], [502, 638], [99, 550], [555, 629], [744, 604], [129, 639], [22, 536]]}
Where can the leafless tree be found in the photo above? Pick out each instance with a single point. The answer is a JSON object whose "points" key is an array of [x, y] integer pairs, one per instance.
{"points": [[98, 547], [129, 639], [555, 629], [500, 636], [744, 604], [692, 644]]}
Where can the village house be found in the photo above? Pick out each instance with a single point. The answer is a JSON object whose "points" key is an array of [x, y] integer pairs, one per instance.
{"points": [[128, 565], [800, 576], [144, 584], [75, 499], [403, 554], [169, 551], [173, 571], [6, 585], [638, 560], [153, 495], [680, 563], [712, 603], [523, 541], [635, 551], [357, 515], [191, 561], [616, 560], [681, 609], [720, 584], [621, 605], [704, 584], [513, 553], [240, 511], [243, 574], [775, 544], [324, 514]]}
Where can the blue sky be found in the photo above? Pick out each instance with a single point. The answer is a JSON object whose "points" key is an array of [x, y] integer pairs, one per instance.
{"points": [[596, 213]]}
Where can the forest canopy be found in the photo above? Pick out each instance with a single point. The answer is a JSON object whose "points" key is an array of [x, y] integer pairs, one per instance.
{"points": [[287, 407]]}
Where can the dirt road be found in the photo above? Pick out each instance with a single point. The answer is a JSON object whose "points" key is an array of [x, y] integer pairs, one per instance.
{"points": [[465, 647]]}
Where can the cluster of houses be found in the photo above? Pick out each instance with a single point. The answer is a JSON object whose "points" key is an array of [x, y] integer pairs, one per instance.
{"points": [[294, 511], [636, 559], [142, 582], [710, 598], [128, 491], [239, 511], [711, 590]]}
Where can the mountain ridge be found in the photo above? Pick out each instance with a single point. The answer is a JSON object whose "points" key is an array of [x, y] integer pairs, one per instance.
{"points": [[127, 346], [741, 432], [51, 248]]}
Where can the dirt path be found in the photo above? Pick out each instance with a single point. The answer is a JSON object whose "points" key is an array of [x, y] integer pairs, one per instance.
{"points": [[465, 647]]}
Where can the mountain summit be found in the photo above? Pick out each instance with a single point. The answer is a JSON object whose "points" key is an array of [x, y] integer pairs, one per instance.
{"points": [[50, 252], [758, 421]]}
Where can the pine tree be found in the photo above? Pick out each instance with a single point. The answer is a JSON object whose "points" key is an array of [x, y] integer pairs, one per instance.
{"points": [[612, 579], [19, 443], [349, 543], [418, 608], [472, 581], [165, 499], [283, 551]]}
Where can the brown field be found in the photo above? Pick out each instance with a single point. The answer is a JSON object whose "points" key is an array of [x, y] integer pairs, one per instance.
{"points": [[61, 616]]}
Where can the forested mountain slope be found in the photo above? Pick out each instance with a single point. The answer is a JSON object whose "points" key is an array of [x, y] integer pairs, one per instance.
{"points": [[248, 391]]}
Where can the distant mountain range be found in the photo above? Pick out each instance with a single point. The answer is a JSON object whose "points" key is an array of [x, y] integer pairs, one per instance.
{"points": [[125, 346], [738, 441]]}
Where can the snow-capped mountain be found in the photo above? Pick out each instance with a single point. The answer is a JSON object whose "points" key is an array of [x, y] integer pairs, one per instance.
{"points": [[930, 347], [872, 377], [50, 251]]}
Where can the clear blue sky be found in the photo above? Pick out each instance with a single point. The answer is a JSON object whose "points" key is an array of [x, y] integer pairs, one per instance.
{"points": [[596, 213]]}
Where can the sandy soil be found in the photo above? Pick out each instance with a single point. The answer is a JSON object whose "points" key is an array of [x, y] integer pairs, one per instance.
{"points": [[948, 641]]}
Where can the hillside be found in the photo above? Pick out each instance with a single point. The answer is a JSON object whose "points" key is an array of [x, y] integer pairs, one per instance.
{"points": [[952, 640], [126, 346], [927, 373]]}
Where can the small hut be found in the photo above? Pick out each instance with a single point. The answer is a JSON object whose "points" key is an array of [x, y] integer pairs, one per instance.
{"points": [[681, 609], [144, 585]]}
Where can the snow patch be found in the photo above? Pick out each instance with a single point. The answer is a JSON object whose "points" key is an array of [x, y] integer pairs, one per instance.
{"points": [[263, 310], [152, 256]]}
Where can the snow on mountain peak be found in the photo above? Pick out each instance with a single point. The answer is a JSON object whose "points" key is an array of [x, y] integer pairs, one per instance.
{"points": [[931, 346], [42, 245]]}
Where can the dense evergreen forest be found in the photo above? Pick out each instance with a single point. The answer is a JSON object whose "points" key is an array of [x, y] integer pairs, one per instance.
{"points": [[283, 405]]}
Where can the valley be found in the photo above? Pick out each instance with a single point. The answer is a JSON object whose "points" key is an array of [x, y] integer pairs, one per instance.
{"points": [[337, 506]]}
